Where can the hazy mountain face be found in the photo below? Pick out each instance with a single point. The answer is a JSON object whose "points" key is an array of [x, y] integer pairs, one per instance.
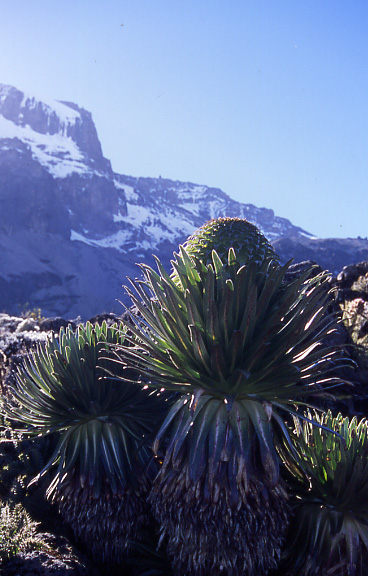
{"points": [[71, 230]]}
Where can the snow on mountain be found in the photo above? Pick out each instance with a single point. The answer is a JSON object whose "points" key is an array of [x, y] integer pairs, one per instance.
{"points": [[158, 213], [54, 131], [170, 210], [71, 229], [51, 108], [154, 230], [62, 138], [57, 152], [65, 114]]}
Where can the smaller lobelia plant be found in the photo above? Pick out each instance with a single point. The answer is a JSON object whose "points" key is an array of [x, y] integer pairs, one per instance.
{"points": [[103, 456], [329, 530]]}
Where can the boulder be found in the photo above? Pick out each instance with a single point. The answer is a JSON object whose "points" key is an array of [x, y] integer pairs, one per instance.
{"points": [[56, 557]]}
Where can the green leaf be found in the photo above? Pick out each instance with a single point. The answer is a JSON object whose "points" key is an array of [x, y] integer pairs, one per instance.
{"points": [[216, 442], [263, 430], [199, 439]]}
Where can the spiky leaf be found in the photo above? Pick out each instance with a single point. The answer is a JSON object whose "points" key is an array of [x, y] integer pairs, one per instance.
{"points": [[329, 533]]}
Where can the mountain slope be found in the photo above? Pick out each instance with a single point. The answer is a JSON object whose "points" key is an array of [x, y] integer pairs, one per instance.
{"points": [[71, 229], [59, 140]]}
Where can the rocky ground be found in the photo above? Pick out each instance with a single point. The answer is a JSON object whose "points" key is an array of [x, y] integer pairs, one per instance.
{"points": [[57, 552]]}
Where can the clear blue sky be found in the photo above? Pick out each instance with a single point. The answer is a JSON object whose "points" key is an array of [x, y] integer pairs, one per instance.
{"points": [[267, 100]]}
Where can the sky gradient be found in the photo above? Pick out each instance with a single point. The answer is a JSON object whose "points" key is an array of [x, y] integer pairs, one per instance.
{"points": [[266, 100]]}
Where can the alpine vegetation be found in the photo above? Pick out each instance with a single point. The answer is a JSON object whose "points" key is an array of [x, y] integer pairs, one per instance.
{"points": [[18, 532], [329, 531], [242, 348], [103, 461]]}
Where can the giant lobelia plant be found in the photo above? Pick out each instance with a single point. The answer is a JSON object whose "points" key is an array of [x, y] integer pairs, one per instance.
{"points": [[243, 349], [103, 455]]}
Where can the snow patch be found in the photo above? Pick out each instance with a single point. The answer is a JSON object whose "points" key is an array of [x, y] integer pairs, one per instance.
{"points": [[130, 194], [142, 228], [59, 154], [65, 114]]}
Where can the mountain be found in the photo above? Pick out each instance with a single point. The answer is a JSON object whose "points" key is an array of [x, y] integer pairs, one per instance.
{"points": [[71, 229], [332, 254]]}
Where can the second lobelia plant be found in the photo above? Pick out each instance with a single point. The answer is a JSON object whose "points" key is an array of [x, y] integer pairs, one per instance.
{"points": [[103, 456], [329, 530], [242, 348]]}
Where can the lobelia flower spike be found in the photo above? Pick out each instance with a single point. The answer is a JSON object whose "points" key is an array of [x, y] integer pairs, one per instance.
{"points": [[242, 348], [104, 462], [223, 233]]}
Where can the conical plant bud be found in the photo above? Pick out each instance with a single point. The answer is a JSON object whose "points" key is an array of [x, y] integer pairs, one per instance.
{"points": [[223, 233]]}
